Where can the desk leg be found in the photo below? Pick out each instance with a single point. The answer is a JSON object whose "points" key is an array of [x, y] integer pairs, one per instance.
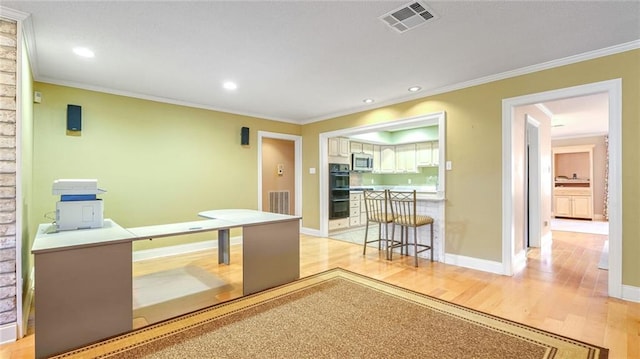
{"points": [[270, 255], [82, 296], [223, 246]]}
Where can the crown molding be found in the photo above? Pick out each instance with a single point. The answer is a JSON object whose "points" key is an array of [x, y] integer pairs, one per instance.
{"points": [[12, 14], [612, 50], [158, 99]]}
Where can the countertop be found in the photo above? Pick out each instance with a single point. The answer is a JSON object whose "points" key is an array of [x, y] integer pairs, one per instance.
{"points": [[427, 193]]}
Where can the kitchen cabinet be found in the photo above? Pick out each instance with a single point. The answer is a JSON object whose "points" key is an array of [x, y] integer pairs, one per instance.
{"points": [[387, 159], [339, 147], [356, 147], [368, 148], [573, 187], [355, 199], [335, 224], [427, 154], [377, 161], [406, 158], [573, 202]]}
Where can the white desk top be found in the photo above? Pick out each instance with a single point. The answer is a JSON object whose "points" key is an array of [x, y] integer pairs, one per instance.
{"points": [[47, 239], [242, 217]]}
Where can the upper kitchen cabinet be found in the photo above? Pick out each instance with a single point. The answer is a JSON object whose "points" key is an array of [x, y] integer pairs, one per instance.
{"points": [[387, 159], [406, 158], [339, 150], [428, 154], [339, 147]]}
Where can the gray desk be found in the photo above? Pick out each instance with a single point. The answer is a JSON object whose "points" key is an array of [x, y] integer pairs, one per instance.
{"points": [[84, 278]]}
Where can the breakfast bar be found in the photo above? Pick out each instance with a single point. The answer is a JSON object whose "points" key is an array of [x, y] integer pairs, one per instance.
{"points": [[84, 277]]}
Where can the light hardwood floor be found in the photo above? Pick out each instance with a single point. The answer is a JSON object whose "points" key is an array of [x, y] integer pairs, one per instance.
{"points": [[561, 290]]}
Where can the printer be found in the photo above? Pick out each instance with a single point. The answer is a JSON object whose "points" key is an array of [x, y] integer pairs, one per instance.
{"points": [[78, 208]]}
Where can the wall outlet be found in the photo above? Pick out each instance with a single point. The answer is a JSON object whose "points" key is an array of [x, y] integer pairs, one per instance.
{"points": [[372, 181], [409, 180]]}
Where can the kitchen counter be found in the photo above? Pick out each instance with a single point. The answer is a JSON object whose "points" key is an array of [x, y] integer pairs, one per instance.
{"points": [[423, 193]]}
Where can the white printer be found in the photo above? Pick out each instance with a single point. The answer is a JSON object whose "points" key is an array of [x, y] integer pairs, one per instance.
{"points": [[78, 207]]}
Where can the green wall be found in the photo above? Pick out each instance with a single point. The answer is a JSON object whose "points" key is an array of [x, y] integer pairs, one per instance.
{"points": [[473, 206], [160, 163]]}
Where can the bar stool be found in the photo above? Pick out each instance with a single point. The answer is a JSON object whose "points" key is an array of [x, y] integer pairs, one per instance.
{"points": [[376, 205], [403, 210]]}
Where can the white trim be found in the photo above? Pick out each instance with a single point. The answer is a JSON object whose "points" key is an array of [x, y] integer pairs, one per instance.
{"points": [[435, 118], [544, 110], [473, 263], [178, 249], [310, 232], [8, 333], [160, 99], [590, 55], [631, 293], [535, 182], [297, 144], [547, 240], [614, 89]]}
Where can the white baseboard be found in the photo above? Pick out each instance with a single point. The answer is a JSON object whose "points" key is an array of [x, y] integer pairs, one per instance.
{"points": [[631, 293], [8, 333], [179, 249], [310, 232], [520, 261], [474, 263]]}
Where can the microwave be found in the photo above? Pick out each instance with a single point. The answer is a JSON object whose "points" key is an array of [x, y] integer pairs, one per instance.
{"points": [[361, 162]]}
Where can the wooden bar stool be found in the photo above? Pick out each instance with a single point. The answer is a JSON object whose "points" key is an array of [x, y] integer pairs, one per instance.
{"points": [[376, 205], [403, 210]]}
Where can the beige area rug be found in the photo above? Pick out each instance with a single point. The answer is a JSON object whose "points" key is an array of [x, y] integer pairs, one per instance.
{"points": [[339, 314]]}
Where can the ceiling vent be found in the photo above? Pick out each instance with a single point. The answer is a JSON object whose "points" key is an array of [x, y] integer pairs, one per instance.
{"points": [[408, 16]]}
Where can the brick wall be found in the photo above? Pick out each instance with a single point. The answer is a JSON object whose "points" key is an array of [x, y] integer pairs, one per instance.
{"points": [[8, 74]]}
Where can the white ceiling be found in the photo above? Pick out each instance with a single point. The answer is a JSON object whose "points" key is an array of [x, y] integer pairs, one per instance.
{"points": [[303, 61]]}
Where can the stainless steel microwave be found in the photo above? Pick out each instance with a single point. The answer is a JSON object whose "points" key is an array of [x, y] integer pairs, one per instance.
{"points": [[361, 162]]}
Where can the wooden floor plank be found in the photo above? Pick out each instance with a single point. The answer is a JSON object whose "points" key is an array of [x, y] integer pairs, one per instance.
{"points": [[560, 290]]}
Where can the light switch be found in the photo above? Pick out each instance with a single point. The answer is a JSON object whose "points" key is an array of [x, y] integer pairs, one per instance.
{"points": [[312, 170], [448, 166]]}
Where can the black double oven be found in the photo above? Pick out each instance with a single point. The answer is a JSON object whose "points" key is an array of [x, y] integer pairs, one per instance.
{"points": [[338, 190]]}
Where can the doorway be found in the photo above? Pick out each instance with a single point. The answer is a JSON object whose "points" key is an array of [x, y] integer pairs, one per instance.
{"points": [[279, 173], [613, 88]]}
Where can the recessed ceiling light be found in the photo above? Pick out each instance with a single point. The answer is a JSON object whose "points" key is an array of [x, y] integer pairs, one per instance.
{"points": [[230, 85], [83, 51], [368, 100], [415, 88]]}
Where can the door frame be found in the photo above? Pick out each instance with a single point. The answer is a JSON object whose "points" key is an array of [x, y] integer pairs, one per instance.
{"points": [[613, 88], [297, 140], [534, 177]]}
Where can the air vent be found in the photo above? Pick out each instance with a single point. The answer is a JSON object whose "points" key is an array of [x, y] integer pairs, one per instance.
{"points": [[408, 16]]}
